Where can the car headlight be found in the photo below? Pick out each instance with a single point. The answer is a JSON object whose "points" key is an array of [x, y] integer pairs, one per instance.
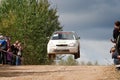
{"points": [[72, 44], [51, 44]]}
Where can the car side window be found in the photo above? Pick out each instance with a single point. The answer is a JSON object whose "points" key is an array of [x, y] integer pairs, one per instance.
{"points": [[55, 36], [65, 36], [76, 36]]}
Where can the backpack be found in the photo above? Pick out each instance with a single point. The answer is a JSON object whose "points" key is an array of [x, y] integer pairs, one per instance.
{"points": [[3, 44]]}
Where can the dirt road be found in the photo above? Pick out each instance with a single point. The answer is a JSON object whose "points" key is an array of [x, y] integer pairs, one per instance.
{"points": [[46, 72]]}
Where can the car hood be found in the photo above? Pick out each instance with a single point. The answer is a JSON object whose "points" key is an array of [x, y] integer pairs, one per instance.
{"points": [[62, 41]]}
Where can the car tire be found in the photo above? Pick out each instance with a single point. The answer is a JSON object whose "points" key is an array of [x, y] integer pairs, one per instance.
{"points": [[51, 56], [76, 56], [78, 53]]}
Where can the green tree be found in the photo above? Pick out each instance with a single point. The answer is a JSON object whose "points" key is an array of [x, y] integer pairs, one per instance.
{"points": [[31, 22]]}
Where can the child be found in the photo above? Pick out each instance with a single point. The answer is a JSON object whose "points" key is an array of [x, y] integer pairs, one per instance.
{"points": [[115, 56]]}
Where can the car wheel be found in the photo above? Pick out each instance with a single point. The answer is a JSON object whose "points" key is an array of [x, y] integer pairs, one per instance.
{"points": [[78, 54], [51, 56], [75, 56]]}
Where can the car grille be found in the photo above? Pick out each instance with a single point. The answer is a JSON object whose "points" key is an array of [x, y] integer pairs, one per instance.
{"points": [[65, 50], [62, 45]]}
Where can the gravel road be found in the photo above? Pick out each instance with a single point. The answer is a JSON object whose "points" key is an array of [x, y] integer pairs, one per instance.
{"points": [[54, 72]]}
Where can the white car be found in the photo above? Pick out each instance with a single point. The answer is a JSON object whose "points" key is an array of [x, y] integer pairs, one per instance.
{"points": [[63, 42]]}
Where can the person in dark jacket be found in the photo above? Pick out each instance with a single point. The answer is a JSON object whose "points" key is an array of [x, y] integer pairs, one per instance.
{"points": [[3, 46], [15, 50], [116, 31], [113, 50]]}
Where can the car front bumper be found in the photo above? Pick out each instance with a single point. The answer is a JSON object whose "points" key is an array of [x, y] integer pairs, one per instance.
{"points": [[62, 50]]}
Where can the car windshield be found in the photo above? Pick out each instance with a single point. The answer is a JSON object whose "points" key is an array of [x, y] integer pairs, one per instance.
{"points": [[63, 36]]}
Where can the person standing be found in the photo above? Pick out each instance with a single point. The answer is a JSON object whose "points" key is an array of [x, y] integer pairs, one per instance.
{"points": [[14, 49], [114, 50], [116, 31], [3, 47], [19, 54]]}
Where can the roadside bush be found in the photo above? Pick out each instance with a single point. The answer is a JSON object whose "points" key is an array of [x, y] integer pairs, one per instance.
{"points": [[70, 61]]}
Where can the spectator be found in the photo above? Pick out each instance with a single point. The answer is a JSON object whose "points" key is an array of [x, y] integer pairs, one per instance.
{"points": [[14, 49], [9, 55], [7, 38], [116, 31], [3, 47], [115, 56], [19, 55]]}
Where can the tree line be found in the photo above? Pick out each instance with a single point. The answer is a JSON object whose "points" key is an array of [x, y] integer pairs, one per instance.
{"points": [[31, 22]]}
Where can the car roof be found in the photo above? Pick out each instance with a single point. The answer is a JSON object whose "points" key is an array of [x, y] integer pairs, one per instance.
{"points": [[64, 32]]}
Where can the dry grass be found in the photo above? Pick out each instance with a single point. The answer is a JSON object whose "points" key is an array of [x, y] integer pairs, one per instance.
{"points": [[113, 73], [117, 74]]}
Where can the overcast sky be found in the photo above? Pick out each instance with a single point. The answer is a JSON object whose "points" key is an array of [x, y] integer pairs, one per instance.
{"points": [[93, 20]]}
